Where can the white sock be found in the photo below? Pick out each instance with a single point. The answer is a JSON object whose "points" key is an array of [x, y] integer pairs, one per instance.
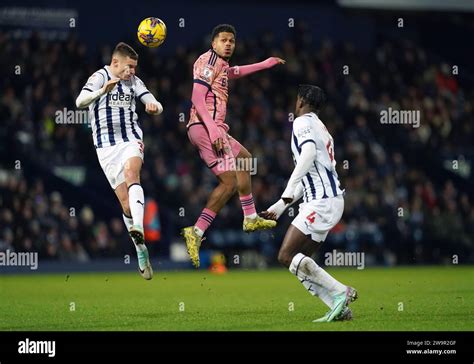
{"points": [[136, 200], [198, 231], [304, 265], [129, 223], [316, 290]]}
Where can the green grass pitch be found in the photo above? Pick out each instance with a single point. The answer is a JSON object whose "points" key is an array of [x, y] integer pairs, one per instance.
{"points": [[405, 299]]}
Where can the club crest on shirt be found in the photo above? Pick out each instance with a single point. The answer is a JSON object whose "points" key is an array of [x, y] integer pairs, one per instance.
{"points": [[90, 81], [206, 74]]}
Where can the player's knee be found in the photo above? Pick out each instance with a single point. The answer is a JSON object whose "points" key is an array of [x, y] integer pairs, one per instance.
{"points": [[131, 176], [285, 258]]}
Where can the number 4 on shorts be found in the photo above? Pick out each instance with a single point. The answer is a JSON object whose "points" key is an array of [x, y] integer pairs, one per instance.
{"points": [[311, 217]]}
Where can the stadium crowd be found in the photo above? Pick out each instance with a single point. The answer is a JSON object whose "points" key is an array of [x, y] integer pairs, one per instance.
{"points": [[397, 209]]}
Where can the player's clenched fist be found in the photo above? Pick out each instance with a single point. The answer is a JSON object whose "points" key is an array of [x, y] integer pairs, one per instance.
{"points": [[152, 108]]}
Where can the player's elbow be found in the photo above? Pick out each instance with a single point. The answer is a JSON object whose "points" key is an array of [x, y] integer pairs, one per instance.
{"points": [[79, 104]]}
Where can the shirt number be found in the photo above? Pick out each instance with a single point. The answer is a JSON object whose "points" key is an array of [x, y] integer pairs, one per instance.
{"points": [[311, 217], [330, 150]]}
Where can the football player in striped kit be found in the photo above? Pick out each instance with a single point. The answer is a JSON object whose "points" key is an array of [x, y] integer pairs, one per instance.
{"points": [[110, 95], [315, 179]]}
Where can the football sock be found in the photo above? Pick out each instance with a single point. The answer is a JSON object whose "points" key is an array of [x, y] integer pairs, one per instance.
{"points": [[205, 220], [316, 290], [136, 200], [248, 206], [305, 266], [129, 223]]}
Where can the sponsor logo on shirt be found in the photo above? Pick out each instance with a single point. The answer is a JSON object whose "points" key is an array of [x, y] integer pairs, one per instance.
{"points": [[303, 132], [119, 99]]}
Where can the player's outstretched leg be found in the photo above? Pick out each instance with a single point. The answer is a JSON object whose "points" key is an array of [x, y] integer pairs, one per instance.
{"points": [[295, 254], [296, 242], [193, 235], [131, 196], [341, 295], [136, 197], [252, 221]]}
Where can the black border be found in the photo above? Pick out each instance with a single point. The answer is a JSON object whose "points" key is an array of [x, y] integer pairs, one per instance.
{"points": [[373, 345]]}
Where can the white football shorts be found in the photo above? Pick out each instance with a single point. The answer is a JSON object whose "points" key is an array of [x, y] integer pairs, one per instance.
{"points": [[112, 159], [317, 217]]}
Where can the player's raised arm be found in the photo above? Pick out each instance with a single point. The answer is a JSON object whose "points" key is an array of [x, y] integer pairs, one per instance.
{"points": [[241, 71], [152, 105], [95, 87]]}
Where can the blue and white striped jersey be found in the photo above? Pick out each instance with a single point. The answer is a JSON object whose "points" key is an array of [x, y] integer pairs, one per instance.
{"points": [[322, 180], [113, 116]]}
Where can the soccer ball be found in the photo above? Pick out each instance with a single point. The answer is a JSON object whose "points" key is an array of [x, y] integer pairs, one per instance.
{"points": [[151, 32]]}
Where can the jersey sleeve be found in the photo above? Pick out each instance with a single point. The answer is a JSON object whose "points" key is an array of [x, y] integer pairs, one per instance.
{"points": [[205, 70], [140, 88], [303, 131], [95, 82]]}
